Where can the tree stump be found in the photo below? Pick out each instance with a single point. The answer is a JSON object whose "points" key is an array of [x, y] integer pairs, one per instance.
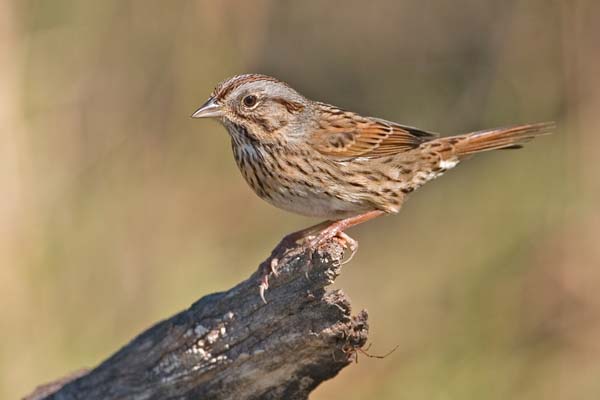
{"points": [[231, 345]]}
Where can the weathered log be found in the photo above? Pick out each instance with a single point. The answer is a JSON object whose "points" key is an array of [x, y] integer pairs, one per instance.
{"points": [[231, 345]]}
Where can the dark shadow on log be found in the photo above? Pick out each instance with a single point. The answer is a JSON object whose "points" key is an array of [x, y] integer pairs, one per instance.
{"points": [[230, 345]]}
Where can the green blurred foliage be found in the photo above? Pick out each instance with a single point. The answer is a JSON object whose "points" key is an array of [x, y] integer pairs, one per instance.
{"points": [[118, 210]]}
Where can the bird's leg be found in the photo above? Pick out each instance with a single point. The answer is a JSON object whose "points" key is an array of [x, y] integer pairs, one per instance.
{"points": [[337, 228]]}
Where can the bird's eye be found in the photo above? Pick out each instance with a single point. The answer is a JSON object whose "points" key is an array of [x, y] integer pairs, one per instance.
{"points": [[249, 101]]}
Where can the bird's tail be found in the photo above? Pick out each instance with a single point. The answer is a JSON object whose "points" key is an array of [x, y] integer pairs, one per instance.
{"points": [[441, 154], [512, 137]]}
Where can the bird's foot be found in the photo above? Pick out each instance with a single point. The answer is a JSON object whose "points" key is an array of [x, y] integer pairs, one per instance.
{"points": [[312, 238], [289, 248], [324, 237]]}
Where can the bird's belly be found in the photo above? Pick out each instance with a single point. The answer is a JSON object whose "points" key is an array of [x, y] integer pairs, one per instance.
{"points": [[315, 204]]}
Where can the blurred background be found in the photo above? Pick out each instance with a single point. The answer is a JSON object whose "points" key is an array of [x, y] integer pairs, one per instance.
{"points": [[118, 210]]}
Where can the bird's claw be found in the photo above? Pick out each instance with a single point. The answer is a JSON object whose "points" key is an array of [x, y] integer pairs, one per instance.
{"points": [[263, 286], [273, 266], [348, 243]]}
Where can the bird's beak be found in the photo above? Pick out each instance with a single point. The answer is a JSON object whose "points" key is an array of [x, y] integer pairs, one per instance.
{"points": [[210, 109]]}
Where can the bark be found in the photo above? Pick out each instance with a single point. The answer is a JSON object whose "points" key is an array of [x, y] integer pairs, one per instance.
{"points": [[231, 345]]}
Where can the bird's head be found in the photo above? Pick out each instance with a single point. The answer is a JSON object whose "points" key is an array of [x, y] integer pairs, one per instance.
{"points": [[267, 109]]}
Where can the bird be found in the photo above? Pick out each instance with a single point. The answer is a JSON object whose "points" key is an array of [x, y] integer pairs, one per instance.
{"points": [[319, 160]]}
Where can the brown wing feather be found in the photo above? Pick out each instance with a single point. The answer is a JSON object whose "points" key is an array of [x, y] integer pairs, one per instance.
{"points": [[344, 134]]}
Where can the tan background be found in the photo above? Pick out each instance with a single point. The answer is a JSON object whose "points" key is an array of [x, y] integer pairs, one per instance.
{"points": [[117, 209]]}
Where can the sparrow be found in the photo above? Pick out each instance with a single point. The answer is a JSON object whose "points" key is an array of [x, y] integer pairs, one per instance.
{"points": [[318, 160]]}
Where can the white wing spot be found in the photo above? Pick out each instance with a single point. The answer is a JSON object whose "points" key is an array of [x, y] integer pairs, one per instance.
{"points": [[447, 164]]}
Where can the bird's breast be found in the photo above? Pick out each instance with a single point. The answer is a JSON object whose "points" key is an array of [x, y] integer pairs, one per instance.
{"points": [[290, 180]]}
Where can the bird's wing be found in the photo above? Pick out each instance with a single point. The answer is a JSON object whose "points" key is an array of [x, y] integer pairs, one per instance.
{"points": [[343, 134]]}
